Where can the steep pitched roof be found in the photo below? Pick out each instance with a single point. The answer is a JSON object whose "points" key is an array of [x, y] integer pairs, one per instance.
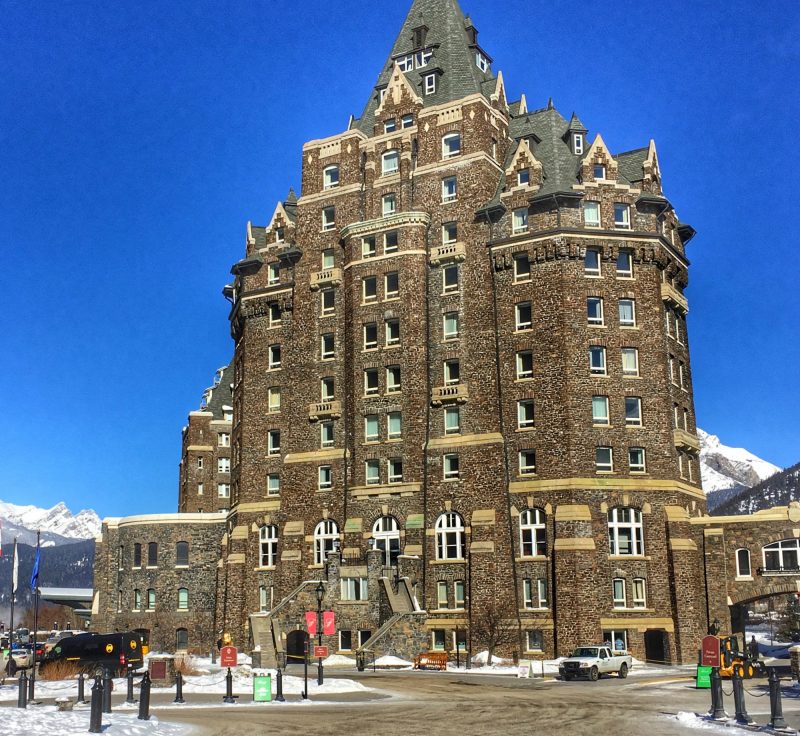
{"points": [[220, 394], [631, 164], [453, 56]]}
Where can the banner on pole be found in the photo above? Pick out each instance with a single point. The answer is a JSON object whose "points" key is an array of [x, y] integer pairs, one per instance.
{"points": [[328, 623], [311, 623]]}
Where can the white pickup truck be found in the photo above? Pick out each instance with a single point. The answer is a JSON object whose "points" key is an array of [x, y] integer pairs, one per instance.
{"points": [[593, 661]]}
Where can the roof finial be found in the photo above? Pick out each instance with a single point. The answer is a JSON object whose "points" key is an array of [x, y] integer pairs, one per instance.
{"points": [[550, 105]]}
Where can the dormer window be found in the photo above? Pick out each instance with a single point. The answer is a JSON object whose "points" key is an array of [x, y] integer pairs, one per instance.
{"points": [[451, 145], [422, 58], [430, 83], [390, 162], [381, 94], [407, 121], [330, 177], [481, 61], [599, 172], [420, 34], [524, 177], [577, 143], [390, 126], [406, 63], [280, 234]]}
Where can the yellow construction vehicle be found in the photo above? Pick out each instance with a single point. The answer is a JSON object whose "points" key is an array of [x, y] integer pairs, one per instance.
{"points": [[732, 659]]}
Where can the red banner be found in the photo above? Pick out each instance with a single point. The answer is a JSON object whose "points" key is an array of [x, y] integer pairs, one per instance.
{"points": [[328, 623], [228, 656], [311, 623]]}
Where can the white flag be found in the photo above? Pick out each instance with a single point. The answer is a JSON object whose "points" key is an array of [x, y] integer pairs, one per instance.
{"points": [[14, 571]]}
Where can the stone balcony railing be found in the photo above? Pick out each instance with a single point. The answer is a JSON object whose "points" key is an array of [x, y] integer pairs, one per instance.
{"points": [[686, 440], [448, 252], [325, 410], [326, 277], [776, 571], [443, 394], [670, 294]]}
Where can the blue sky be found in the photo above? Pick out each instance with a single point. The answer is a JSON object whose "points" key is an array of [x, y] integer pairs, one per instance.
{"points": [[137, 139]]}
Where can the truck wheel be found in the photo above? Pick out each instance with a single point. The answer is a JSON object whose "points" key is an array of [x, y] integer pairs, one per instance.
{"points": [[623, 671], [594, 674]]}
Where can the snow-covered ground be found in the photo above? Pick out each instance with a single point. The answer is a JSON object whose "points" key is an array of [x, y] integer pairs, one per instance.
{"points": [[696, 722], [45, 720]]}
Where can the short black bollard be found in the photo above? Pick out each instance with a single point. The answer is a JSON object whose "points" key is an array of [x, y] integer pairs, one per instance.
{"points": [[108, 686], [144, 698], [775, 706], [717, 704], [229, 688], [81, 696], [130, 698], [32, 684], [279, 687], [96, 712], [178, 688], [738, 698], [22, 696]]}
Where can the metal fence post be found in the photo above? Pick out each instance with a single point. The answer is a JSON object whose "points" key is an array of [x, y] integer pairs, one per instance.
{"points": [[108, 686], [229, 688], [144, 698], [738, 699], [178, 688], [96, 712], [717, 703], [279, 680], [22, 696], [776, 719], [81, 695]]}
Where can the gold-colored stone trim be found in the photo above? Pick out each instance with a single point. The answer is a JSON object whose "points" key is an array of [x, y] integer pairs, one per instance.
{"points": [[683, 544], [481, 547], [608, 484], [640, 624], [404, 489], [573, 512], [314, 456], [575, 543], [465, 440]]}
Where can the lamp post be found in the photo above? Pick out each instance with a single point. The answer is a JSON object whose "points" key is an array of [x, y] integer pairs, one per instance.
{"points": [[320, 590]]}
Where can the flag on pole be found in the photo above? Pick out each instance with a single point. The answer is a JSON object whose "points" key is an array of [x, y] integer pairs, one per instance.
{"points": [[14, 571], [35, 571]]}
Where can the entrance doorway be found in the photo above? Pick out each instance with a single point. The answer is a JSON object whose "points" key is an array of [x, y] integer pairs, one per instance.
{"points": [[295, 646], [656, 646]]}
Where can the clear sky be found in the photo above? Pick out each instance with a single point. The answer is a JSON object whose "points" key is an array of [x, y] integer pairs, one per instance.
{"points": [[137, 139]]}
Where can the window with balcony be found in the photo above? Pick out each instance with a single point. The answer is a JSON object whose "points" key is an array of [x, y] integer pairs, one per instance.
{"points": [[328, 258], [452, 372], [449, 232], [327, 388]]}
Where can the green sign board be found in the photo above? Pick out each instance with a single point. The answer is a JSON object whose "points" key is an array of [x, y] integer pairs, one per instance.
{"points": [[262, 688], [703, 677]]}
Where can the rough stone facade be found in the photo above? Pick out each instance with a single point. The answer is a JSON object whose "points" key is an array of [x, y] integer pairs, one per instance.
{"points": [[124, 577]]}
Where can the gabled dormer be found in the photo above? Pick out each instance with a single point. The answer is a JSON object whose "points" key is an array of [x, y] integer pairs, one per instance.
{"points": [[598, 165], [651, 181], [398, 100], [575, 135], [525, 170], [281, 227]]}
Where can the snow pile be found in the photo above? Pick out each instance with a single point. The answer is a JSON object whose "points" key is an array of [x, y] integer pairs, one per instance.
{"points": [[694, 721], [392, 661], [337, 660], [46, 720]]}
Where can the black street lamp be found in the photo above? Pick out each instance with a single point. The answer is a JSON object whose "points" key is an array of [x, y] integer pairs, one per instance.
{"points": [[320, 591]]}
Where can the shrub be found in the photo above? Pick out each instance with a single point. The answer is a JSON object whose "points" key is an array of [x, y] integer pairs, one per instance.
{"points": [[185, 664], [61, 670]]}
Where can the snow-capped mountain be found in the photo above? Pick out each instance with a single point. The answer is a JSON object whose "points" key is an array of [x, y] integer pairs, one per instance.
{"points": [[728, 470], [58, 524]]}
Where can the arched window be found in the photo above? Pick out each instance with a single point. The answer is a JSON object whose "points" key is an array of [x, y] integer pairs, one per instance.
{"points": [[182, 554], [532, 533], [450, 537], [743, 569], [151, 599], [390, 162], [326, 534], [137, 599], [782, 556], [181, 639], [386, 533], [152, 554], [330, 177], [137, 555], [183, 599], [268, 545], [625, 534]]}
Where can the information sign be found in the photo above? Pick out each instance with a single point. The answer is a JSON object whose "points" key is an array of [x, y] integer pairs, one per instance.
{"points": [[320, 652], [262, 688], [709, 652], [228, 656]]}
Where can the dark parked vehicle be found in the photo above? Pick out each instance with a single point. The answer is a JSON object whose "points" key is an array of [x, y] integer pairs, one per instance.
{"points": [[92, 651]]}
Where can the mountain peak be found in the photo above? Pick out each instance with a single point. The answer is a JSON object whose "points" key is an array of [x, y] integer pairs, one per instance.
{"points": [[58, 525]]}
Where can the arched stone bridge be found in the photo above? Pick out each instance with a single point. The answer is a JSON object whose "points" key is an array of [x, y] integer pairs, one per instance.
{"points": [[749, 557]]}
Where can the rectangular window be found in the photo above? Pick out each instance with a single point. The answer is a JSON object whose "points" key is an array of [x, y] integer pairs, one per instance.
{"points": [[392, 331], [345, 640], [636, 462], [599, 171], [355, 589], [263, 599], [274, 442], [441, 594], [151, 599], [449, 232], [525, 414], [591, 214], [388, 204], [591, 262], [524, 364], [330, 177], [369, 289], [577, 143], [390, 241], [327, 388], [600, 410], [327, 346], [481, 61], [622, 216], [326, 434], [390, 126], [541, 585], [328, 258], [393, 379], [273, 400], [533, 640], [527, 462], [459, 597], [451, 467], [390, 162], [624, 264], [407, 121], [223, 439], [639, 593], [223, 490], [450, 325], [603, 459], [275, 314], [371, 428], [391, 285], [199, 463], [371, 387], [452, 372], [520, 220], [633, 411], [406, 64], [452, 420], [274, 274], [324, 477], [200, 489], [430, 84], [627, 313], [273, 484], [523, 177], [394, 425], [370, 336], [451, 145], [523, 316], [449, 189], [328, 218], [223, 465], [682, 374], [438, 640], [597, 360], [368, 247], [522, 267], [280, 234], [394, 467], [630, 362], [372, 472], [619, 593], [527, 593], [450, 280], [363, 637], [594, 310], [327, 298]]}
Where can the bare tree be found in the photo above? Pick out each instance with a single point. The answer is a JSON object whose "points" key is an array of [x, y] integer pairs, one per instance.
{"points": [[495, 625]]}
